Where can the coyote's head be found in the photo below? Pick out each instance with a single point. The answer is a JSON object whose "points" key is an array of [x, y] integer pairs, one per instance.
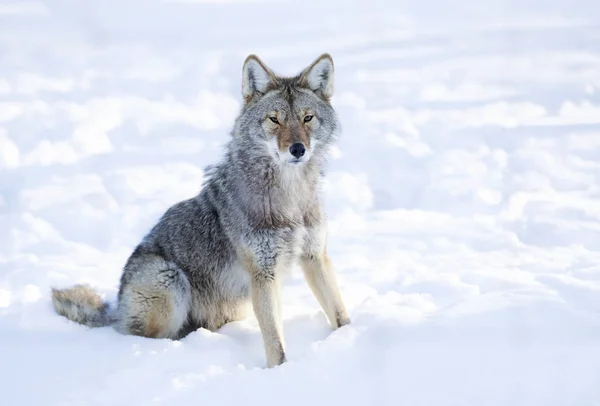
{"points": [[288, 119]]}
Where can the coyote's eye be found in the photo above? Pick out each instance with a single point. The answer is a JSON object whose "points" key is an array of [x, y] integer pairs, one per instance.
{"points": [[274, 119], [307, 118]]}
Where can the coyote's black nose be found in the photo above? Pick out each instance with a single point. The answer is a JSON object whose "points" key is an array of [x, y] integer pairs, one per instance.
{"points": [[297, 150]]}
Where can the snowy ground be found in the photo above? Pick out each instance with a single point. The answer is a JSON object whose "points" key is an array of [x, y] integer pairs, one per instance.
{"points": [[464, 200]]}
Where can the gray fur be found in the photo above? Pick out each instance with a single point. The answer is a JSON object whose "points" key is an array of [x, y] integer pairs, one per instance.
{"points": [[256, 215], [81, 304]]}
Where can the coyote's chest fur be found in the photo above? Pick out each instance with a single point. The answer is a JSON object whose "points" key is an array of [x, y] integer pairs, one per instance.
{"points": [[288, 198]]}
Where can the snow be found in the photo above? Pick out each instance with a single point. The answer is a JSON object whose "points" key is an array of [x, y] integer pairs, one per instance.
{"points": [[463, 197]]}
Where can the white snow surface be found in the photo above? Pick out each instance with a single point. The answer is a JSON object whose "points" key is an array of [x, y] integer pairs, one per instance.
{"points": [[463, 197]]}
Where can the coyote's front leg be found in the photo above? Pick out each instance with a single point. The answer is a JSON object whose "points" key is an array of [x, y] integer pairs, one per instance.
{"points": [[320, 275], [266, 302]]}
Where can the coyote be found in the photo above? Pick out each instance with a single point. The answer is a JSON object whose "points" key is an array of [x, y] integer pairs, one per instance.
{"points": [[258, 212]]}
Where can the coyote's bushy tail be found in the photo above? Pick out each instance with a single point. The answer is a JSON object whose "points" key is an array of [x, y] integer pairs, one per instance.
{"points": [[82, 305]]}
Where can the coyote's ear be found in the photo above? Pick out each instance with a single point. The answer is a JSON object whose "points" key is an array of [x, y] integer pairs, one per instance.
{"points": [[319, 76], [256, 77]]}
